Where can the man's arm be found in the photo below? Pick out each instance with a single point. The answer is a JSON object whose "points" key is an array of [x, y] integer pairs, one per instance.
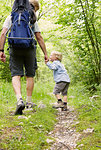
{"points": [[3, 38], [42, 44], [2, 43]]}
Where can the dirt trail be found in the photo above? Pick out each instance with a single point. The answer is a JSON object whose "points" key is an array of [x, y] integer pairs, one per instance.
{"points": [[64, 133]]}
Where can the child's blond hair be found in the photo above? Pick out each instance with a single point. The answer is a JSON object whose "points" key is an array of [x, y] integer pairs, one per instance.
{"points": [[58, 55]]}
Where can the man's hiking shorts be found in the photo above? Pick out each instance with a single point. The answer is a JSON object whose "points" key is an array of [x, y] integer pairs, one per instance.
{"points": [[23, 62], [61, 87]]}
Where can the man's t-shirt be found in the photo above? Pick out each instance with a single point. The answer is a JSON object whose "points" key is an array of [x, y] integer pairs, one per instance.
{"points": [[8, 22]]}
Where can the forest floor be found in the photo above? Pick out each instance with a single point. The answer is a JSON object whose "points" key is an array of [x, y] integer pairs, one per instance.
{"points": [[44, 128]]}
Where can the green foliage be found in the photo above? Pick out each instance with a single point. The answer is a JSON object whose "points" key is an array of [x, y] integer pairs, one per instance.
{"points": [[4, 11], [73, 28], [4, 67], [82, 17], [77, 36], [5, 70]]}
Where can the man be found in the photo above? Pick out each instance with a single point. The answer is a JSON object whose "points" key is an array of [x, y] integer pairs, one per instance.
{"points": [[18, 58]]}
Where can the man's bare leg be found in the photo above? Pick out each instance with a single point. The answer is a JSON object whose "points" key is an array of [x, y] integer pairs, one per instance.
{"points": [[17, 89], [29, 85], [29, 88], [17, 86]]}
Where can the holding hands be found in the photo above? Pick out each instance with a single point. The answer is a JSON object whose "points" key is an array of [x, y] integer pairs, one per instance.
{"points": [[2, 57], [46, 59]]}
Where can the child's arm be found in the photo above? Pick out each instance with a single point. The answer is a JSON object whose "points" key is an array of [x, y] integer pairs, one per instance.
{"points": [[51, 66]]}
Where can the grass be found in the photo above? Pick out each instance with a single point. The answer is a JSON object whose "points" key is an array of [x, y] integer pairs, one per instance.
{"points": [[89, 116], [31, 130]]}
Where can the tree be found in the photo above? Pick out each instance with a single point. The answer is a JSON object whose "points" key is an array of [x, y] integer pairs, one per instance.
{"points": [[83, 17]]}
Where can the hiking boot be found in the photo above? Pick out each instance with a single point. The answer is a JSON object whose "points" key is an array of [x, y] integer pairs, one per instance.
{"points": [[58, 105], [30, 105], [20, 107]]}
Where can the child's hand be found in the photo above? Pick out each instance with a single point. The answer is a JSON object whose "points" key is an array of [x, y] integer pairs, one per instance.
{"points": [[46, 61]]}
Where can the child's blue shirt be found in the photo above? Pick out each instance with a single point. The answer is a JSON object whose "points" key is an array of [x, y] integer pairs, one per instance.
{"points": [[59, 71]]}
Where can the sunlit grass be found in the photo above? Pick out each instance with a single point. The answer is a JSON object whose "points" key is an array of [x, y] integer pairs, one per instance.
{"points": [[31, 131], [89, 116]]}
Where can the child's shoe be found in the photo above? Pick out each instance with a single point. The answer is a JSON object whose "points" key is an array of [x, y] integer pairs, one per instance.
{"points": [[64, 108], [30, 105], [58, 104], [20, 107]]}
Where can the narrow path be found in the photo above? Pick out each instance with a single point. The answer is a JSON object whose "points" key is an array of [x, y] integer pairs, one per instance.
{"points": [[64, 133]]}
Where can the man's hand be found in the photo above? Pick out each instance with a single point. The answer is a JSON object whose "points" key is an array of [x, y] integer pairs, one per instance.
{"points": [[2, 57], [46, 58]]}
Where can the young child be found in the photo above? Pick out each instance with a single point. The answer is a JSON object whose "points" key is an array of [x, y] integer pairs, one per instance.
{"points": [[61, 78]]}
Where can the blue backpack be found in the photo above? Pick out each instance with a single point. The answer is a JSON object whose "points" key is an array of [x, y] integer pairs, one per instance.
{"points": [[21, 34]]}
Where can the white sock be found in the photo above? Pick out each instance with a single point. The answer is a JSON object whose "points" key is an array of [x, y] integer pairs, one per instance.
{"points": [[18, 97], [28, 99]]}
